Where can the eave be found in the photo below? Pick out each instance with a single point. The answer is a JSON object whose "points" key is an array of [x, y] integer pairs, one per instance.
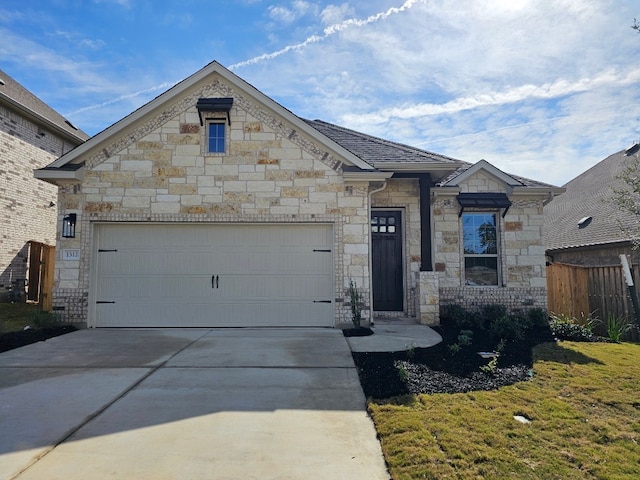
{"points": [[41, 120]]}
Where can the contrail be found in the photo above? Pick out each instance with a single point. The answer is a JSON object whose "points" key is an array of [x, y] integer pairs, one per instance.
{"points": [[328, 31], [122, 97]]}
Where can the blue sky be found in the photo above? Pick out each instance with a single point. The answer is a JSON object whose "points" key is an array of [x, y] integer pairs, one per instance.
{"points": [[543, 89]]}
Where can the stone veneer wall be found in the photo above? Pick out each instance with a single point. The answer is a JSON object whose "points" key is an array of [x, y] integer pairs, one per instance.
{"points": [[522, 253], [159, 172], [404, 194], [24, 200]]}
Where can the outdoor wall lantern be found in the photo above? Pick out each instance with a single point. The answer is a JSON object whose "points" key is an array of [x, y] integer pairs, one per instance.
{"points": [[69, 226]]}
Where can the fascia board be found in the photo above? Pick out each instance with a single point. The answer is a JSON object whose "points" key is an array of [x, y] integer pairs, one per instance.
{"points": [[55, 175], [490, 169], [418, 167], [366, 176]]}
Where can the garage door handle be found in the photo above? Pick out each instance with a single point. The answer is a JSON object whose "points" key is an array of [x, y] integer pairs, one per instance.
{"points": [[215, 281]]}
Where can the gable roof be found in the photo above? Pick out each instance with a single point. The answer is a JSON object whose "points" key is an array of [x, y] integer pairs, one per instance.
{"points": [[75, 155], [589, 195], [16, 97]]}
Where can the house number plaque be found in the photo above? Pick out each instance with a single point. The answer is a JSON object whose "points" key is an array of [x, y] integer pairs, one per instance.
{"points": [[71, 254]]}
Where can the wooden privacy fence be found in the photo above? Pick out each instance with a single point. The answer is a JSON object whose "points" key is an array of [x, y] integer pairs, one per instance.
{"points": [[40, 274], [576, 291]]}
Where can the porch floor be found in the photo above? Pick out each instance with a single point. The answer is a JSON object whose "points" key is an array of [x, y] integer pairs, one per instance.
{"points": [[395, 334]]}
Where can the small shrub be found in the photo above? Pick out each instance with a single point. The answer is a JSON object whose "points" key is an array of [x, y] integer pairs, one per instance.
{"points": [[491, 367], [403, 374], [617, 327], [460, 317], [565, 327], [510, 328], [465, 337], [538, 318], [356, 314], [454, 348], [488, 313]]}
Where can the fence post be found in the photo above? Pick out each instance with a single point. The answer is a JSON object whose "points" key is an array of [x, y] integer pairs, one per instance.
{"points": [[630, 286]]}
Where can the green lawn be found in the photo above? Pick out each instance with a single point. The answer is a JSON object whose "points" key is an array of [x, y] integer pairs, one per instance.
{"points": [[15, 316], [584, 407]]}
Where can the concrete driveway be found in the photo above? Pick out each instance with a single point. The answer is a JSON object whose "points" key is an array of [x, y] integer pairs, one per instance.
{"points": [[186, 404]]}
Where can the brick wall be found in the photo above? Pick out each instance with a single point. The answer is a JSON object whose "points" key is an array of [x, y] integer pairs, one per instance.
{"points": [[24, 201]]}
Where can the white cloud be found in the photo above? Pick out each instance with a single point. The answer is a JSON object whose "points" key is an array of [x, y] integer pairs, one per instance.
{"points": [[287, 15]]}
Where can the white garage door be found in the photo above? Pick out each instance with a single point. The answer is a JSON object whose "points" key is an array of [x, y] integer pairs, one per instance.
{"points": [[186, 275]]}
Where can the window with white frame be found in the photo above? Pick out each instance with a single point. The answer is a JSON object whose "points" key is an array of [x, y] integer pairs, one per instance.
{"points": [[480, 243], [216, 136]]}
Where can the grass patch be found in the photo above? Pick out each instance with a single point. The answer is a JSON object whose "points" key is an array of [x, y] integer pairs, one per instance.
{"points": [[584, 412], [15, 316]]}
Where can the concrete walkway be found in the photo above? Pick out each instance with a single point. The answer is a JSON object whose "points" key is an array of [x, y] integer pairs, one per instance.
{"points": [[393, 336], [186, 404]]}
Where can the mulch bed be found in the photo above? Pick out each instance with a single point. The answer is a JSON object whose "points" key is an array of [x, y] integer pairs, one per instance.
{"points": [[11, 340], [438, 370]]}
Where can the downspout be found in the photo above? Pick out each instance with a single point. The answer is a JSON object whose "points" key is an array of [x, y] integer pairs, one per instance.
{"points": [[384, 185]]}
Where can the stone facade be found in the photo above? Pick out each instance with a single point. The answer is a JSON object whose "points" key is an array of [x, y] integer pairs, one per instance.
{"points": [[160, 171], [154, 166], [24, 201], [522, 274]]}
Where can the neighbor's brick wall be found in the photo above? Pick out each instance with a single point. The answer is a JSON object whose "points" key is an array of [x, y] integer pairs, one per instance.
{"points": [[24, 200], [159, 171], [521, 250]]}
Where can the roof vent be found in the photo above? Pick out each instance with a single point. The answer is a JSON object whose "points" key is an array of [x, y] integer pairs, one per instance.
{"points": [[632, 149], [584, 222], [70, 124], [2, 81]]}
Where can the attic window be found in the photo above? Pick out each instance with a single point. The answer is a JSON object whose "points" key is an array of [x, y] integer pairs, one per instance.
{"points": [[214, 105], [491, 201]]}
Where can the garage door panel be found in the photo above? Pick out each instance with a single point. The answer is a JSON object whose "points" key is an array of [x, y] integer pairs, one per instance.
{"points": [[222, 275]]}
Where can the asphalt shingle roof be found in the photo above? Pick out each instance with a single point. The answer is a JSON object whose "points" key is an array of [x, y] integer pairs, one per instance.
{"points": [[12, 90], [589, 195], [376, 151]]}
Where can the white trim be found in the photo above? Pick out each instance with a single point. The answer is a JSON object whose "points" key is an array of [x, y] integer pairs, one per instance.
{"points": [[490, 169]]}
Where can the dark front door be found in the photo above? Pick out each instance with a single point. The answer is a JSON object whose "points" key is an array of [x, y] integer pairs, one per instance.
{"points": [[386, 235]]}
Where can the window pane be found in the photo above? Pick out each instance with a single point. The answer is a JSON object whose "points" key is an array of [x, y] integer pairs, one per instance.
{"points": [[374, 228], [481, 270], [383, 229], [383, 220], [374, 221], [392, 229], [216, 137], [479, 232], [392, 220]]}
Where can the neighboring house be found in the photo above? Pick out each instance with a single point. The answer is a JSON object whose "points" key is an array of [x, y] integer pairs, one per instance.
{"points": [[585, 226], [32, 135], [213, 205]]}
